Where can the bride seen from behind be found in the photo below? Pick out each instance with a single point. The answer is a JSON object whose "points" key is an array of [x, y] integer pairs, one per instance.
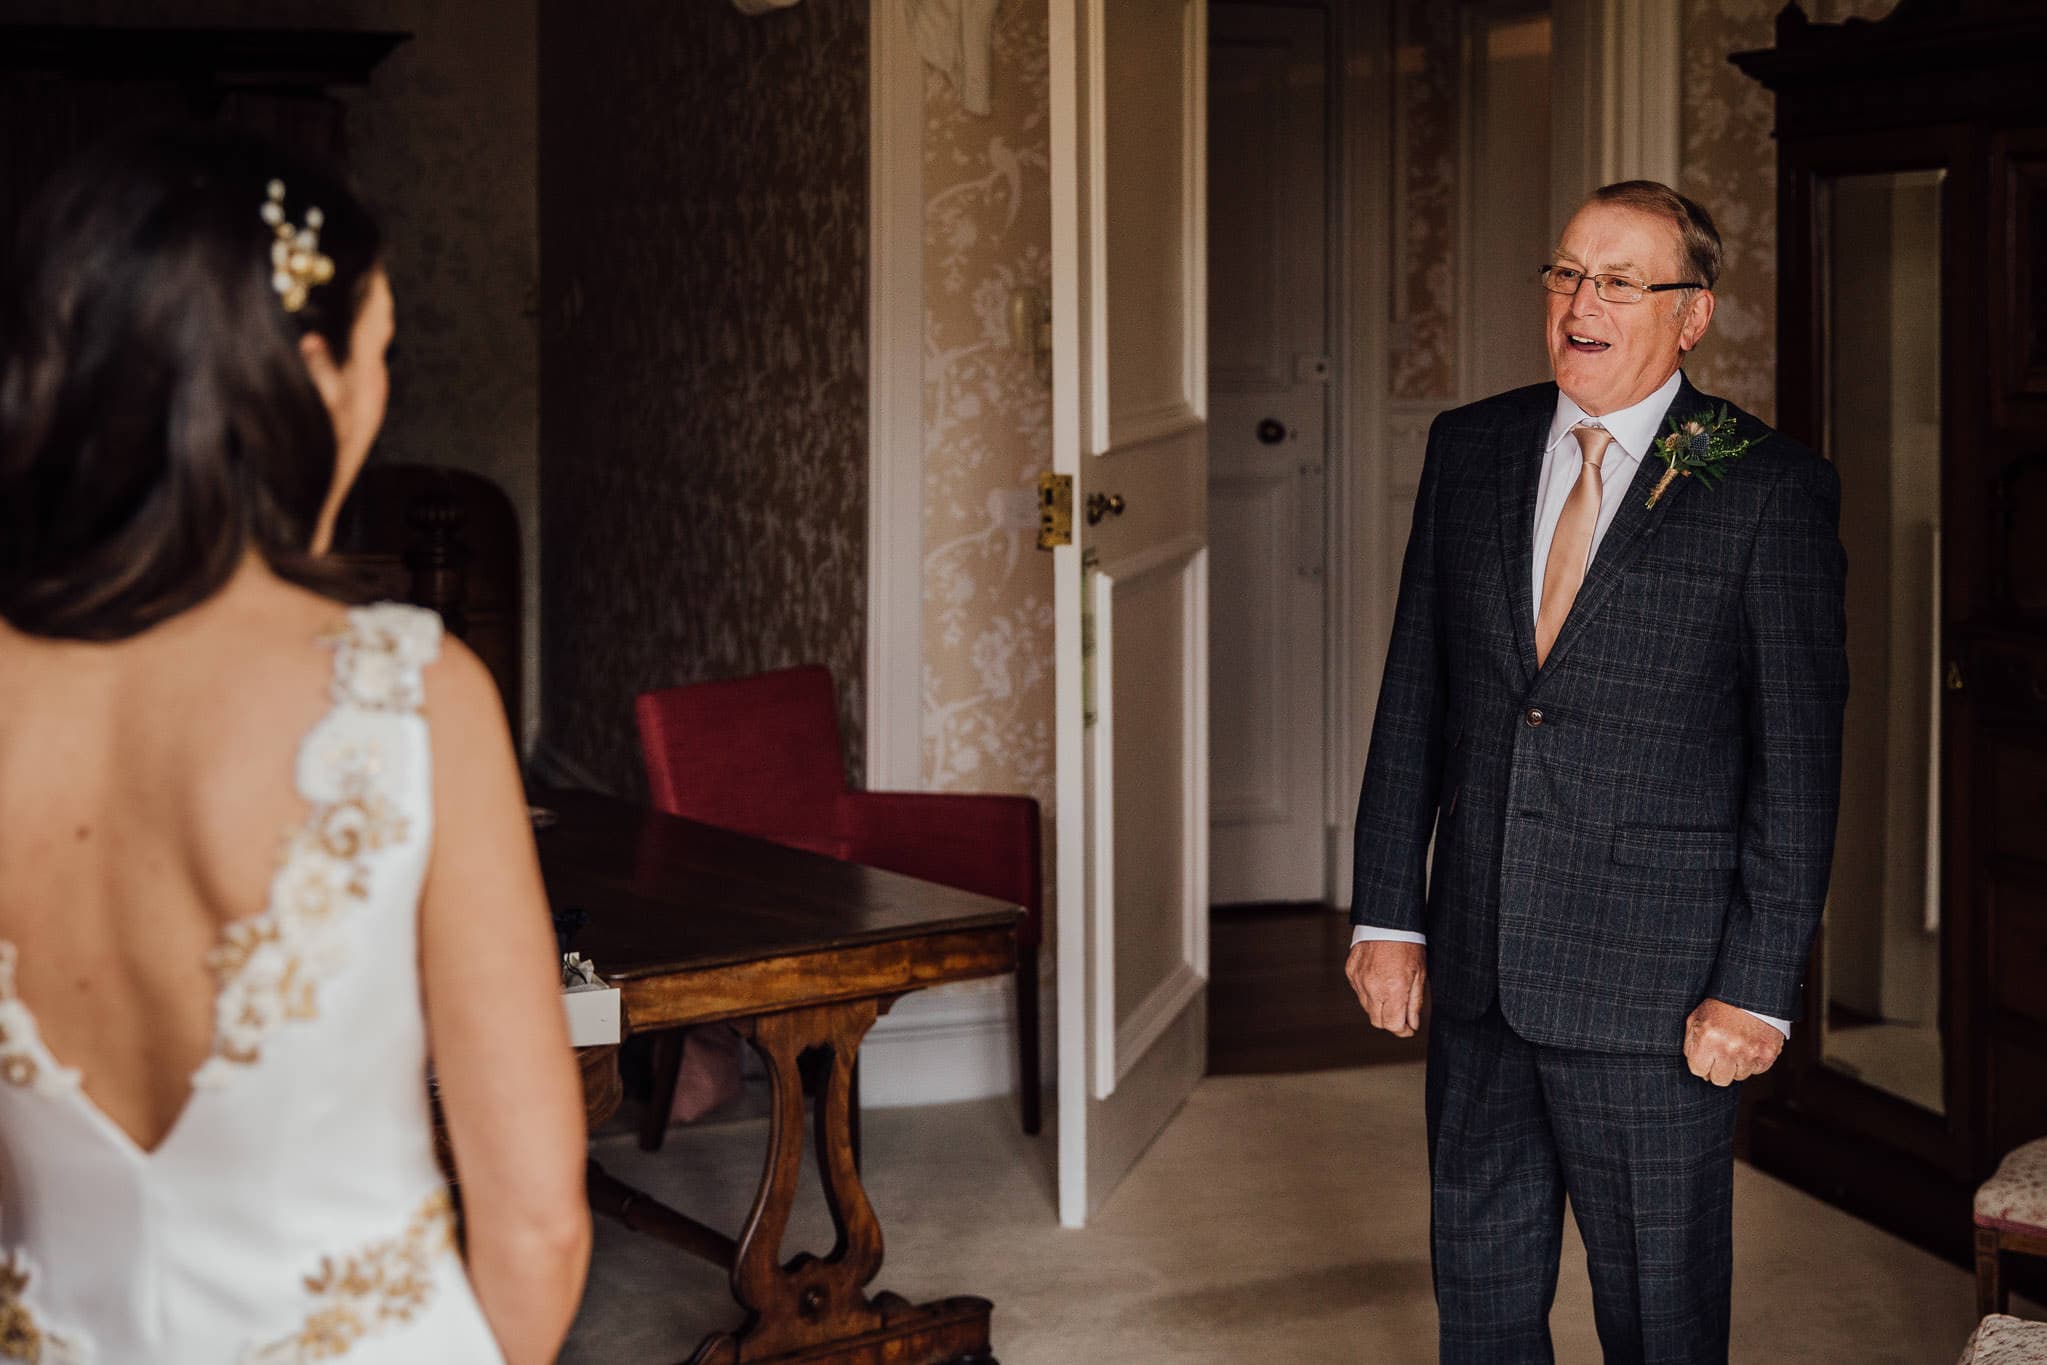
{"points": [[261, 855]]}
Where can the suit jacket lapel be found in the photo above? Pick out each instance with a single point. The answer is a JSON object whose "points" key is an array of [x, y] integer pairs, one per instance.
{"points": [[1519, 470], [1632, 525]]}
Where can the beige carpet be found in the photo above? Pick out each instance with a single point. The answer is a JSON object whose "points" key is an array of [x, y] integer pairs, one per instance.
{"points": [[1278, 1219]]}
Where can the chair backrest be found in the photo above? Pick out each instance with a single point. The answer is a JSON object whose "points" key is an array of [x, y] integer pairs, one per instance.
{"points": [[759, 754]]}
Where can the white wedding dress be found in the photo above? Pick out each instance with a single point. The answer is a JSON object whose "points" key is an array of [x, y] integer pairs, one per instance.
{"points": [[294, 1211]]}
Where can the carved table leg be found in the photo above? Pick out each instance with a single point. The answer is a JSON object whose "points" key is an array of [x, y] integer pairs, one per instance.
{"points": [[813, 1309]]}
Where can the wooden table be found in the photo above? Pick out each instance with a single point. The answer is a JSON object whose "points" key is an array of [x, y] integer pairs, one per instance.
{"points": [[800, 953]]}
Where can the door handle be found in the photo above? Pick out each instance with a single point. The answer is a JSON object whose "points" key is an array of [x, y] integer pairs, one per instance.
{"points": [[1101, 505], [1271, 431]]}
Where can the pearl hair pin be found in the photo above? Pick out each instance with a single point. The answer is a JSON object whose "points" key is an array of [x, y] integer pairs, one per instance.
{"points": [[296, 261]]}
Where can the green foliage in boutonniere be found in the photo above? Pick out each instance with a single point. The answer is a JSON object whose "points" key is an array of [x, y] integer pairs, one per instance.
{"points": [[1699, 445]]}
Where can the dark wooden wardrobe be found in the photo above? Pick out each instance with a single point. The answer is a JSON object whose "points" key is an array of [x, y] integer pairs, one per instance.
{"points": [[1912, 351]]}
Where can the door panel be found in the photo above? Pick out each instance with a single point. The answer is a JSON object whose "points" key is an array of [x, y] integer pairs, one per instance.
{"points": [[1154, 950], [1145, 196], [1251, 522], [1129, 402], [1268, 115]]}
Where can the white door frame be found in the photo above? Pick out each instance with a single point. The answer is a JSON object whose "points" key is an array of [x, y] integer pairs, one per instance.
{"points": [[1617, 66], [895, 402], [956, 1043], [1361, 214]]}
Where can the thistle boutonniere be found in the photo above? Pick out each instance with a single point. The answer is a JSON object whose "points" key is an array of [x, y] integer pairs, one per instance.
{"points": [[1699, 445]]}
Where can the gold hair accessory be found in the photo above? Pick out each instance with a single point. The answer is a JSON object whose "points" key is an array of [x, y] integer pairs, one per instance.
{"points": [[296, 261]]}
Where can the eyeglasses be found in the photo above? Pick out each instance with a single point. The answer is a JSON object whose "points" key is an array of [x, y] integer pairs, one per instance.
{"points": [[1562, 279]]}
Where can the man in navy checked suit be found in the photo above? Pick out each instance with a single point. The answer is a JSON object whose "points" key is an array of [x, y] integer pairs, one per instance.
{"points": [[1621, 725]]}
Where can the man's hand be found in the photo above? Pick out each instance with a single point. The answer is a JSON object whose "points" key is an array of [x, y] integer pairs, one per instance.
{"points": [[1389, 976], [1724, 1044]]}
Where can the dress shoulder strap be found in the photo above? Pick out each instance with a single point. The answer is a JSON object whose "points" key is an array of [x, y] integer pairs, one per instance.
{"points": [[380, 654]]}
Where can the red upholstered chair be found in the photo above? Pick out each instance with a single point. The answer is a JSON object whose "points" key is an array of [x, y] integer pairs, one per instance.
{"points": [[761, 755]]}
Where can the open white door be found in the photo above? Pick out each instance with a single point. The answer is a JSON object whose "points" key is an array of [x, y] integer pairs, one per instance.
{"points": [[1129, 153]]}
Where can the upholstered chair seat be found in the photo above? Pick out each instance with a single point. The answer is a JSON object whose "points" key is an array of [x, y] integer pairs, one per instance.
{"points": [[2001, 1340], [2016, 1197], [2011, 1215]]}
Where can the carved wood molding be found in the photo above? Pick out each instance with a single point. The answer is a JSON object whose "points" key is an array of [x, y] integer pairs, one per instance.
{"points": [[266, 58], [1973, 59]]}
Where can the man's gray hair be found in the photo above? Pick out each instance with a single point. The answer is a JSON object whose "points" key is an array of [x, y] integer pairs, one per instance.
{"points": [[1699, 252]]}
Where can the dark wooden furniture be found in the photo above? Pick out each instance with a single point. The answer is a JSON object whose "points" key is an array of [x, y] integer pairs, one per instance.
{"points": [[802, 953], [63, 87], [1949, 93], [447, 540], [1993, 1294]]}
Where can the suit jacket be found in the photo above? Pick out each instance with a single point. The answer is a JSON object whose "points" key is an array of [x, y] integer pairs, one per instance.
{"points": [[1647, 820]]}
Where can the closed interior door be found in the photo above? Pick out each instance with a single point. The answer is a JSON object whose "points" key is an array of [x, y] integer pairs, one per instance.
{"points": [[1269, 401]]}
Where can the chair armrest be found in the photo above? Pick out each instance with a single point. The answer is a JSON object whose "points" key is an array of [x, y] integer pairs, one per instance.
{"points": [[990, 845]]}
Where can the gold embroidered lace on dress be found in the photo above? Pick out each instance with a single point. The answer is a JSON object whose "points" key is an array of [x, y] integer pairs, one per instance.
{"points": [[383, 1285], [268, 968], [22, 1337], [20, 1064]]}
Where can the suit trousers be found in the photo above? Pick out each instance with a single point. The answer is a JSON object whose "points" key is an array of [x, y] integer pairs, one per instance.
{"points": [[1645, 1151]]}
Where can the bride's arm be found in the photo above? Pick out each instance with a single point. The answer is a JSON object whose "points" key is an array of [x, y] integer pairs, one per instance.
{"points": [[508, 1080]]}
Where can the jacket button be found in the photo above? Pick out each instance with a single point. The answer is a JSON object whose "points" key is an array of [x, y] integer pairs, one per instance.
{"points": [[1533, 717]]}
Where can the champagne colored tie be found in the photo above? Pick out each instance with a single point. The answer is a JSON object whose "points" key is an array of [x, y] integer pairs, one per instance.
{"points": [[1570, 550]]}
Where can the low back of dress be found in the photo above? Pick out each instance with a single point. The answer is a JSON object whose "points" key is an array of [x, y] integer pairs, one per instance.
{"points": [[293, 1211]]}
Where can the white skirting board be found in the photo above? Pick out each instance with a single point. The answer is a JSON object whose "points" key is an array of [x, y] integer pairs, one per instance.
{"points": [[948, 1044]]}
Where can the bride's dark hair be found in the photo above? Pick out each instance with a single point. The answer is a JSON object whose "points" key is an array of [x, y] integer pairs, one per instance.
{"points": [[156, 416]]}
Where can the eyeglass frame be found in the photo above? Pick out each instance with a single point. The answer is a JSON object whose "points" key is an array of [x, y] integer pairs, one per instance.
{"points": [[1542, 273]]}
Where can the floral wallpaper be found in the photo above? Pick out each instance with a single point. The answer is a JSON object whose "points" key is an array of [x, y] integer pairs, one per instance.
{"points": [[1423, 359], [1729, 164], [987, 673], [443, 143], [704, 334]]}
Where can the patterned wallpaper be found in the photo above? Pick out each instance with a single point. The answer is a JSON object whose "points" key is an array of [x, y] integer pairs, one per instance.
{"points": [[1423, 359], [443, 143], [704, 306], [1729, 164], [987, 674]]}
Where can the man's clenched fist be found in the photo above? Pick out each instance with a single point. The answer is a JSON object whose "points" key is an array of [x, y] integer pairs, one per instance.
{"points": [[1724, 1044], [1389, 977]]}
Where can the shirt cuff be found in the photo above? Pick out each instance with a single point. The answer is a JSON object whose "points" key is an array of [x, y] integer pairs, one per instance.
{"points": [[1367, 933], [1782, 1026]]}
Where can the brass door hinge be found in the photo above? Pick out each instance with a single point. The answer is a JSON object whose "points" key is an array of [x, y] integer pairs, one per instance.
{"points": [[1055, 510], [1088, 646]]}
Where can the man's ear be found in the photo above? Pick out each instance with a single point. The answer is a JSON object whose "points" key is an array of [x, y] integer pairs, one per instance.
{"points": [[320, 365], [1698, 316]]}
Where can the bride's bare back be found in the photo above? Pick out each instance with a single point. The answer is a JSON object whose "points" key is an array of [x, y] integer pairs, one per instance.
{"points": [[146, 791], [193, 334]]}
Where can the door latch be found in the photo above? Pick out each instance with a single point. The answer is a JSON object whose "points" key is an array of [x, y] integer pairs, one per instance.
{"points": [[1055, 510]]}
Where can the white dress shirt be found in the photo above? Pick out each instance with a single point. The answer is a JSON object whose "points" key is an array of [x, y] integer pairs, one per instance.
{"points": [[1633, 430]]}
